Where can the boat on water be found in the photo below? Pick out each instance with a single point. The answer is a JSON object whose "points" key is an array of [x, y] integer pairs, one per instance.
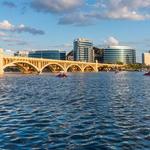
{"points": [[62, 75], [147, 74]]}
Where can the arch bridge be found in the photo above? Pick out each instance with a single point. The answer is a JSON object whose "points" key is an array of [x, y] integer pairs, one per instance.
{"points": [[39, 65]]}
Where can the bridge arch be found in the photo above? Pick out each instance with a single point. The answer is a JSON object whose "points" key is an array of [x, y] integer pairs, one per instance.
{"points": [[74, 68], [49, 64], [89, 68], [19, 62]]}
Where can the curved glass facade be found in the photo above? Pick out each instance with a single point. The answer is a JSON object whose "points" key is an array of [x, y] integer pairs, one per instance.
{"points": [[119, 54]]}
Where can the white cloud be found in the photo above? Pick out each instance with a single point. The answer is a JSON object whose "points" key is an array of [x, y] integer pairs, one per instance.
{"points": [[125, 13], [6, 25], [56, 6], [135, 10], [78, 19], [136, 3], [111, 41], [22, 28], [124, 9]]}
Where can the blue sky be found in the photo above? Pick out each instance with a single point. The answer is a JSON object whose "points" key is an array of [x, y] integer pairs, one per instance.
{"points": [[54, 24]]}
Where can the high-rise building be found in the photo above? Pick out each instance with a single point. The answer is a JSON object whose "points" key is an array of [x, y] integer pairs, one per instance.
{"points": [[119, 54], [83, 50], [146, 58]]}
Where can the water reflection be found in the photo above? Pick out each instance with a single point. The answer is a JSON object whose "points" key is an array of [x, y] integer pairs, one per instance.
{"points": [[83, 111]]}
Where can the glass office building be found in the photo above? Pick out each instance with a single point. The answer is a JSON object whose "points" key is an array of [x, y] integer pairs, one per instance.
{"points": [[119, 54], [83, 50], [48, 54], [62, 55]]}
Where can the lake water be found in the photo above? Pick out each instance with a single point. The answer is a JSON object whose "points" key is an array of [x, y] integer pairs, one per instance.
{"points": [[85, 111]]}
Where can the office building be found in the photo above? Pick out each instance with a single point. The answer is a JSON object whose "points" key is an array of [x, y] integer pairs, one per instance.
{"points": [[62, 55], [146, 58], [119, 54], [47, 54], [83, 50]]}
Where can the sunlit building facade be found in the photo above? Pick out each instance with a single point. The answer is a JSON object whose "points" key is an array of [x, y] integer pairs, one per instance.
{"points": [[146, 58], [83, 50], [119, 54], [22, 53]]}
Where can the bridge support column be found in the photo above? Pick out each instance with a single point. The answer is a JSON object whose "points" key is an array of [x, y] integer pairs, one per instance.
{"points": [[65, 69], [82, 70], [1, 62], [96, 66]]}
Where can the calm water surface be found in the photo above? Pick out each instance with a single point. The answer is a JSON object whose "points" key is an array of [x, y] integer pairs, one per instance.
{"points": [[91, 111]]}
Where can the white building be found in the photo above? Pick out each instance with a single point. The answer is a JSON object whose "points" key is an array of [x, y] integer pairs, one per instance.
{"points": [[83, 50], [22, 53], [146, 58]]}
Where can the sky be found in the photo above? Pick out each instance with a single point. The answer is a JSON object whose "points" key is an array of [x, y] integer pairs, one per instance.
{"points": [[54, 24]]}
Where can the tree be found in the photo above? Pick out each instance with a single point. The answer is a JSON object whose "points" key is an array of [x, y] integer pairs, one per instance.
{"points": [[119, 63]]}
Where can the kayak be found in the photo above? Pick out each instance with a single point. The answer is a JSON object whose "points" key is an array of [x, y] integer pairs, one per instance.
{"points": [[61, 75], [147, 74]]}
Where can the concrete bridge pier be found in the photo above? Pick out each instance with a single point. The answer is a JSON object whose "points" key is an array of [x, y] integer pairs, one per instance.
{"points": [[1, 62], [96, 70]]}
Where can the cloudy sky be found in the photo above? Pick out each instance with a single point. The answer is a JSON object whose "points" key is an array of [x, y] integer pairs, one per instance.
{"points": [[54, 24]]}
